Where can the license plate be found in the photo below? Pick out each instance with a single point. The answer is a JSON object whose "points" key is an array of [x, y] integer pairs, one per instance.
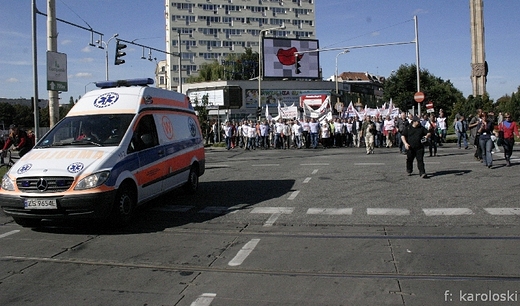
{"points": [[40, 204]]}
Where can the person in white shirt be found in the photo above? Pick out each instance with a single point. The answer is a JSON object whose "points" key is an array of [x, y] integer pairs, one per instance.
{"points": [[306, 137], [228, 133], [264, 134], [251, 136], [286, 134], [297, 131], [338, 130], [278, 131], [442, 127], [325, 133], [314, 128], [389, 125]]}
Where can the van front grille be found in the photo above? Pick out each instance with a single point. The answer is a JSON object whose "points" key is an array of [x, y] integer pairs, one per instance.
{"points": [[44, 184]]}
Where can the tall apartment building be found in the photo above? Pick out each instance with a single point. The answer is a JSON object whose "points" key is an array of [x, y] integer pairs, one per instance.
{"points": [[208, 30]]}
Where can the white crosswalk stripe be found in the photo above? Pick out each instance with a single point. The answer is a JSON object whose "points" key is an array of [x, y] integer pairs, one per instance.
{"points": [[373, 211]]}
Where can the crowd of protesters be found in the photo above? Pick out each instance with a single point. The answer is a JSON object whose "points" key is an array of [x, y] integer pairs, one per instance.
{"points": [[370, 132]]}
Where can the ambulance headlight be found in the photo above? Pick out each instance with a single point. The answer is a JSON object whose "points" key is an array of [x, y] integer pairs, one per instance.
{"points": [[93, 180], [7, 183]]}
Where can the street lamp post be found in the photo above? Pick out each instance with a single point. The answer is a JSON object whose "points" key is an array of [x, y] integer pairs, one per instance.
{"points": [[104, 45], [260, 62], [336, 75]]}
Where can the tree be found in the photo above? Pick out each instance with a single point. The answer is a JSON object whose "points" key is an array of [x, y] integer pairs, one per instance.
{"points": [[202, 113], [242, 66], [6, 114], [470, 106], [402, 85], [509, 104]]}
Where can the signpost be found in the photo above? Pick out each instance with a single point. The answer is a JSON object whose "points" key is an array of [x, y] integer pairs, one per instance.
{"points": [[57, 71], [429, 107], [418, 97]]}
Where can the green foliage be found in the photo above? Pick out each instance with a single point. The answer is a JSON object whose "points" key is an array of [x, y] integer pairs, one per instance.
{"points": [[402, 85], [469, 107], [208, 72], [202, 112], [510, 104], [242, 66]]}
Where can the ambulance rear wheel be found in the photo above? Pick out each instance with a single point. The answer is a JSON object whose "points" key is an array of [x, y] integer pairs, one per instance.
{"points": [[124, 206], [192, 184], [27, 222]]}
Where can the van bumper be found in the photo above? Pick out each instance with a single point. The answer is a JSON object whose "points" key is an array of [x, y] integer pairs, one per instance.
{"points": [[85, 206]]}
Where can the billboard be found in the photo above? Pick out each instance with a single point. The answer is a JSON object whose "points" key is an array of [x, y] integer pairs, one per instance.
{"points": [[280, 60]]}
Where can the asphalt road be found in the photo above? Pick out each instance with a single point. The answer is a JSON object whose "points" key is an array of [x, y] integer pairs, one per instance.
{"points": [[290, 227]]}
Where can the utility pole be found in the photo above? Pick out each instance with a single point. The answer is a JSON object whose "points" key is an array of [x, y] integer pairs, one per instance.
{"points": [[52, 46], [35, 72]]}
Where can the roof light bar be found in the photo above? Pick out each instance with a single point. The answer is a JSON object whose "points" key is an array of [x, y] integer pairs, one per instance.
{"points": [[129, 82]]}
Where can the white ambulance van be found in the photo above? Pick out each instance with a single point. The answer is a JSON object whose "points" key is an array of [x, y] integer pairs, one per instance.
{"points": [[118, 147]]}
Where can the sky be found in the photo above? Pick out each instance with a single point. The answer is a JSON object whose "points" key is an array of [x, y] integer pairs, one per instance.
{"points": [[443, 29]]}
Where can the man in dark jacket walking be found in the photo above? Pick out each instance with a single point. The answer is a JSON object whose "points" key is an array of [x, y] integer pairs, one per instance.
{"points": [[414, 136]]}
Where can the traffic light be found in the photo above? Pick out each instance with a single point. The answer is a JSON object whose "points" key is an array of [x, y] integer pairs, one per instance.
{"points": [[119, 54], [297, 58], [258, 111]]}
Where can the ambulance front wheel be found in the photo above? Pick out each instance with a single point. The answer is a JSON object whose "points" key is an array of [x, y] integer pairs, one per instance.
{"points": [[192, 184], [124, 205]]}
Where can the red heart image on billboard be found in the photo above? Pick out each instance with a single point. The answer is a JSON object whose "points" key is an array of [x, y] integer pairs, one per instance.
{"points": [[286, 57]]}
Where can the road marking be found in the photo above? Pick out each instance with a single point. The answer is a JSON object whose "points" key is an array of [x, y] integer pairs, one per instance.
{"points": [[503, 211], [293, 195], [275, 212], [388, 211], [272, 210], [314, 171], [272, 219], [9, 233], [243, 253], [306, 180], [447, 211], [204, 299], [329, 211]]}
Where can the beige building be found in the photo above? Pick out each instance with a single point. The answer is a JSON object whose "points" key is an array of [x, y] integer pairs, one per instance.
{"points": [[206, 30]]}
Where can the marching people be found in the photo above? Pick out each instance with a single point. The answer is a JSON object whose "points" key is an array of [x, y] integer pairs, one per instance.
{"points": [[473, 125], [389, 126], [306, 133], [402, 123], [314, 128], [461, 126], [442, 127], [507, 130], [412, 137], [297, 131], [431, 126], [369, 132], [485, 129], [325, 133]]}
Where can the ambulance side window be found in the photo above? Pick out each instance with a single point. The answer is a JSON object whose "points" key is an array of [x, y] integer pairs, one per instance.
{"points": [[145, 135]]}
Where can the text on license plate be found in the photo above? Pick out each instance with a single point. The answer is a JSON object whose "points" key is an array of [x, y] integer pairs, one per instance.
{"points": [[40, 204]]}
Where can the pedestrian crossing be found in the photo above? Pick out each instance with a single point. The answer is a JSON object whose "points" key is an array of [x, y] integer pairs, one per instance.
{"points": [[429, 212]]}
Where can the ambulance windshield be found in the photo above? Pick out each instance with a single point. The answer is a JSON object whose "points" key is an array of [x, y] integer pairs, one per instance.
{"points": [[90, 130]]}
